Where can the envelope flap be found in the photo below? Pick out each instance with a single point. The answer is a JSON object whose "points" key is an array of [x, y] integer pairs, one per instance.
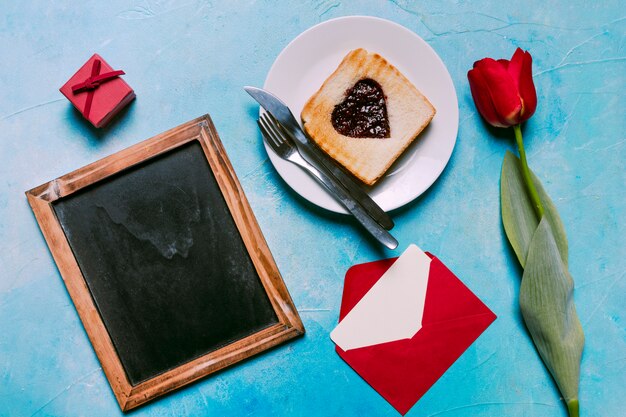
{"points": [[442, 306]]}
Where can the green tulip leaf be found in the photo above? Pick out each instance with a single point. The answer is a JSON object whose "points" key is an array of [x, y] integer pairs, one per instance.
{"points": [[547, 305], [518, 215]]}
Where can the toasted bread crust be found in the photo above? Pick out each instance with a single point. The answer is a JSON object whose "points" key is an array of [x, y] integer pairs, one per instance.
{"points": [[408, 110]]}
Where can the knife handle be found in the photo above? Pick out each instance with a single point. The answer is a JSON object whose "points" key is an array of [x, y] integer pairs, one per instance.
{"points": [[359, 213], [332, 169]]}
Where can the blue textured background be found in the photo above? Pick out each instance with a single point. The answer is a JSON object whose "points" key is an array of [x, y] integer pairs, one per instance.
{"points": [[188, 58]]}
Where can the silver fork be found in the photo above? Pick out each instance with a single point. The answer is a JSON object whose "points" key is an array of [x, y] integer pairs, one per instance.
{"points": [[285, 148]]}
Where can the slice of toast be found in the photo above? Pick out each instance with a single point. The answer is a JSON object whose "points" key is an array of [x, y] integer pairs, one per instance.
{"points": [[408, 113]]}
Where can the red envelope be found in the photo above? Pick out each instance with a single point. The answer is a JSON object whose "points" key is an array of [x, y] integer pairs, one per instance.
{"points": [[403, 370]]}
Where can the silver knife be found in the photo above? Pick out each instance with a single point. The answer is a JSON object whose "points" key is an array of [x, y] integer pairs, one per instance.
{"points": [[315, 156]]}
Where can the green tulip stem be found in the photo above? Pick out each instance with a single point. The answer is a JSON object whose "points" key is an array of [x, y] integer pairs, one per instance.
{"points": [[572, 408], [534, 196]]}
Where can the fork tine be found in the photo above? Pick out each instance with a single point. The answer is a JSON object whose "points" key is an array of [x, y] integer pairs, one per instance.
{"points": [[283, 137], [280, 138], [286, 133], [267, 121], [272, 118], [269, 131], [263, 119], [278, 127], [268, 137], [269, 127]]}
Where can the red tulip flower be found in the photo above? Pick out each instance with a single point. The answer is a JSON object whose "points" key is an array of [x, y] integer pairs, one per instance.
{"points": [[505, 96], [503, 90]]}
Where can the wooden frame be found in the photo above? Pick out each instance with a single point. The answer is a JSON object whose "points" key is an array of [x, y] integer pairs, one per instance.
{"points": [[202, 130]]}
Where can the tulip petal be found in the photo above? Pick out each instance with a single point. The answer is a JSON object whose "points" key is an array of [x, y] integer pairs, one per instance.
{"points": [[515, 66], [527, 88], [482, 98], [503, 91]]}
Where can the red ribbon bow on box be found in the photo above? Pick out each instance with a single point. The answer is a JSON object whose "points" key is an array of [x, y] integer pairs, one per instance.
{"points": [[93, 82]]}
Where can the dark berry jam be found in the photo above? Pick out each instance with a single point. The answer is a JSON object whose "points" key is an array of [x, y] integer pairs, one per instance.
{"points": [[363, 113]]}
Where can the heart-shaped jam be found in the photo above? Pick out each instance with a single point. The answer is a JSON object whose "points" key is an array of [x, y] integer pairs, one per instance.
{"points": [[363, 113]]}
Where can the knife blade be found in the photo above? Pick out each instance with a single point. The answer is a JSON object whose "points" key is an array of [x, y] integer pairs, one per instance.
{"points": [[317, 157]]}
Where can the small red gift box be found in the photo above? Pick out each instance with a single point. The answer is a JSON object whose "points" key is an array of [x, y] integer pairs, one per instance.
{"points": [[97, 91]]}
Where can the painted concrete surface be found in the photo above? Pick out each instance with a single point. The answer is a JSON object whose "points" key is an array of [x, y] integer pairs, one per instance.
{"points": [[191, 57]]}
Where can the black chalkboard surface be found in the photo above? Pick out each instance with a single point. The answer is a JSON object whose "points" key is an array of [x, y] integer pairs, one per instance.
{"points": [[165, 263]]}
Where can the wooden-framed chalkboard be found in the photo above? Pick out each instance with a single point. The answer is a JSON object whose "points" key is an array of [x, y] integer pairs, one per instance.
{"points": [[165, 262]]}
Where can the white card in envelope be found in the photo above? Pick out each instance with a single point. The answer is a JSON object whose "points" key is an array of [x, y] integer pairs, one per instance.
{"points": [[392, 309]]}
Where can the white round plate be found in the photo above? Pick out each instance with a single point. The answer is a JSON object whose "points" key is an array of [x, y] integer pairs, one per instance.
{"points": [[309, 59]]}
